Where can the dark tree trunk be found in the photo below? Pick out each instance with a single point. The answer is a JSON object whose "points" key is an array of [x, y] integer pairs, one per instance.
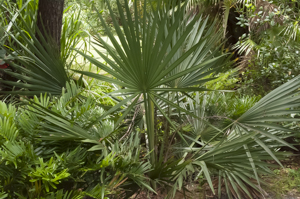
{"points": [[50, 13]]}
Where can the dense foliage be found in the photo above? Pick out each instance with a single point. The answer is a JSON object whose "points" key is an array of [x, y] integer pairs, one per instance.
{"points": [[138, 98], [271, 47]]}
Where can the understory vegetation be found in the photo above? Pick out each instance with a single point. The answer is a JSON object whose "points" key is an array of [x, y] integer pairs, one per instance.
{"points": [[142, 99]]}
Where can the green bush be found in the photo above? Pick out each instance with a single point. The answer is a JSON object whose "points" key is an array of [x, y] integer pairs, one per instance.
{"points": [[271, 47], [46, 145]]}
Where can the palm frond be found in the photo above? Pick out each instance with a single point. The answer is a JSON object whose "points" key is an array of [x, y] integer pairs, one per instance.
{"points": [[36, 63]]}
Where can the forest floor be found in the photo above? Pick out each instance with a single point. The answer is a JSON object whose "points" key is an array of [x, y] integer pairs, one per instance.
{"points": [[286, 183]]}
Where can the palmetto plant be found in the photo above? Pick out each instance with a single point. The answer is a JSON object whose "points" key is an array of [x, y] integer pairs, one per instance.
{"points": [[38, 56], [37, 64], [225, 150], [149, 56], [232, 151]]}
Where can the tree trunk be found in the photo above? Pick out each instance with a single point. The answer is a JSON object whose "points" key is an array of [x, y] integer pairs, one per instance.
{"points": [[50, 13]]}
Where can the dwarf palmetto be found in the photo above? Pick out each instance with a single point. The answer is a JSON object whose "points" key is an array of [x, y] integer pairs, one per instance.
{"points": [[152, 49]]}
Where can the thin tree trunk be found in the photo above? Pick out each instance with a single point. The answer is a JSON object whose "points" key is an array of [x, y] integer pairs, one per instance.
{"points": [[50, 15]]}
